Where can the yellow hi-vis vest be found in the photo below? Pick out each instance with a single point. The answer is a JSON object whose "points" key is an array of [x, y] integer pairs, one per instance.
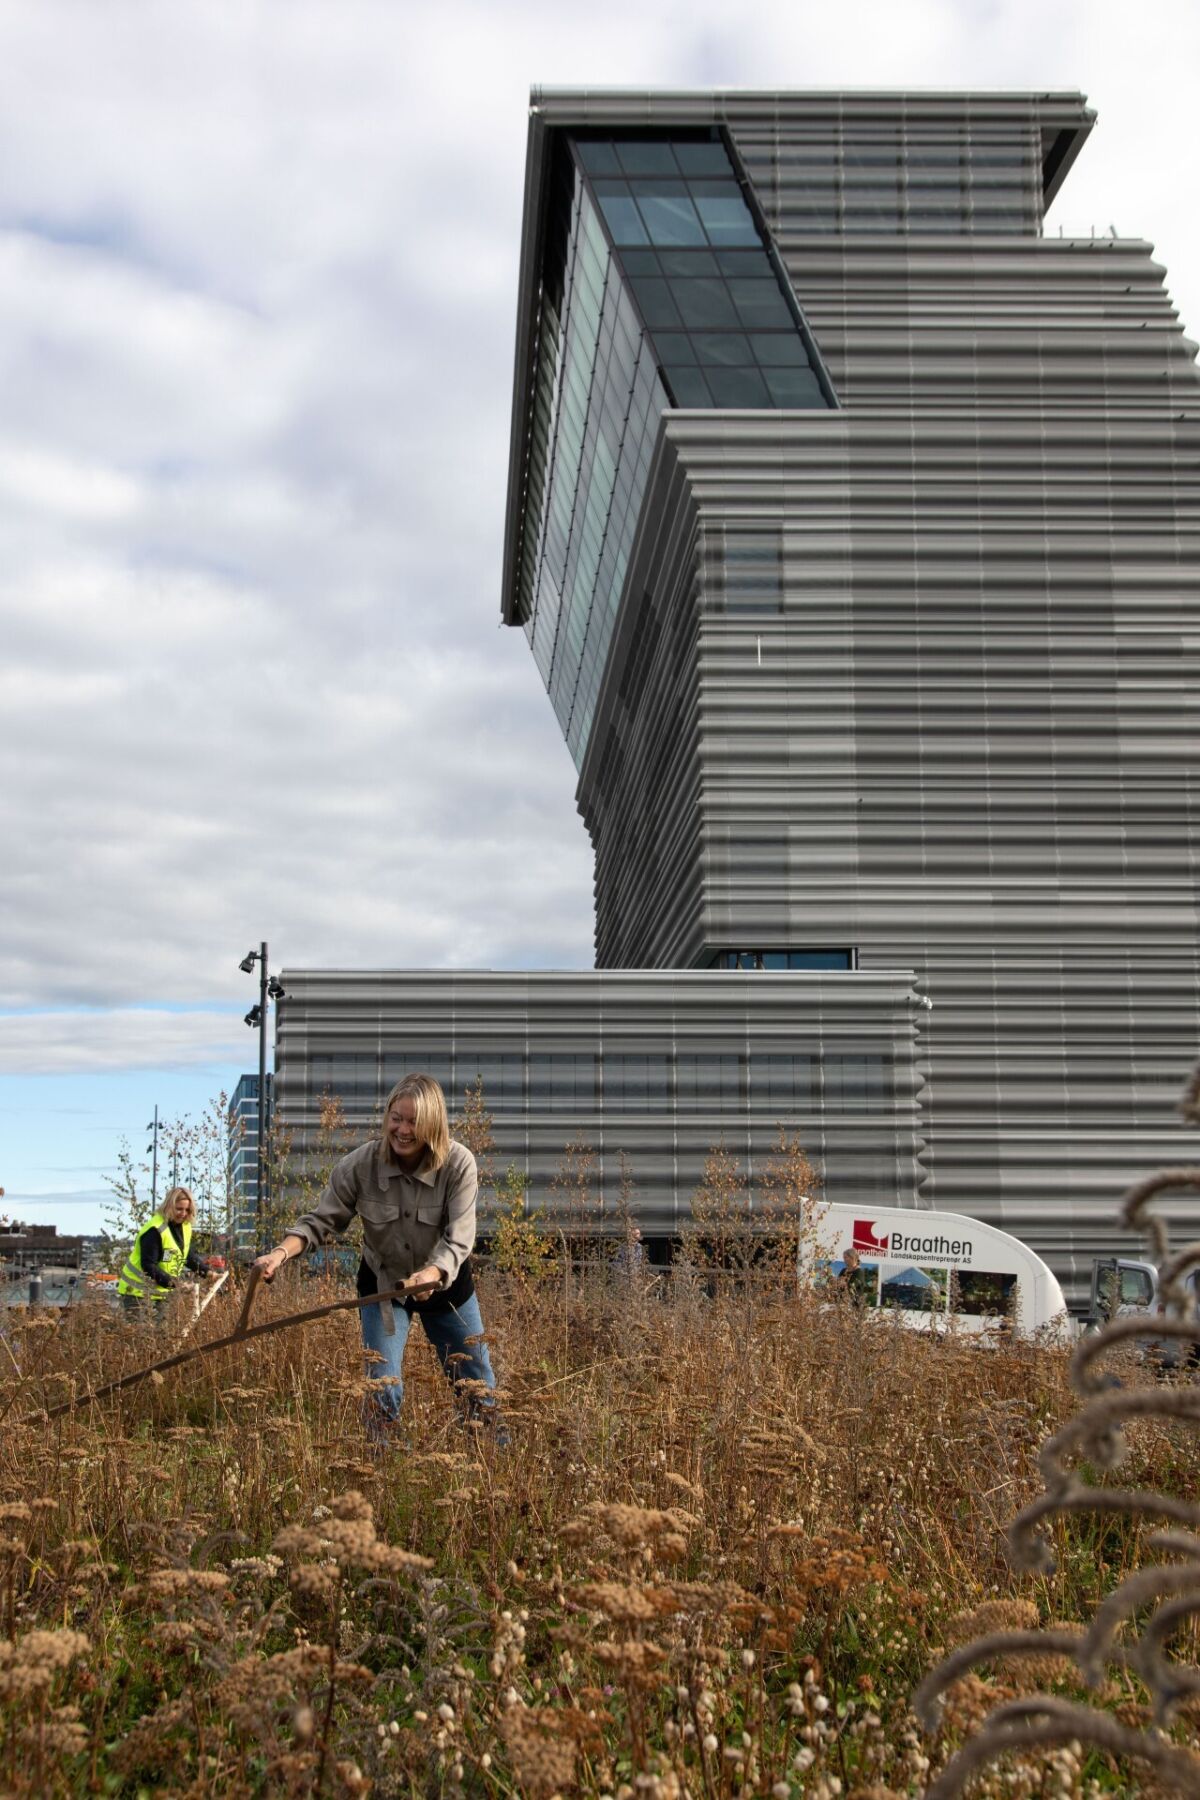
{"points": [[134, 1281]]}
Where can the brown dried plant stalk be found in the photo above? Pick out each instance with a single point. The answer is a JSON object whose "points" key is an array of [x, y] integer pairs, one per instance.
{"points": [[1042, 1722]]}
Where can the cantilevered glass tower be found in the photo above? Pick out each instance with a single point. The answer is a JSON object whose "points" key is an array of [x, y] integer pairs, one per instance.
{"points": [[853, 523]]}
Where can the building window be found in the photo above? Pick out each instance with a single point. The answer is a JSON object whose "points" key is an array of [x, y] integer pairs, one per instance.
{"points": [[854, 1083], [725, 327], [743, 571], [346, 1076], [785, 959], [562, 1083], [417, 1060], [636, 1081], [502, 1074], [709, 1083], [784, 1082]]}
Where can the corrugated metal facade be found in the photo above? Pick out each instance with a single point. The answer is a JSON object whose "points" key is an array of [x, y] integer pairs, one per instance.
{"points": [[658, 1068]]}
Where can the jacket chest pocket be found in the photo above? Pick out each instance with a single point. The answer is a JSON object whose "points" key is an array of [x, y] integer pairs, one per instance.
{"points": [[380, 1216], [429, 1215]]}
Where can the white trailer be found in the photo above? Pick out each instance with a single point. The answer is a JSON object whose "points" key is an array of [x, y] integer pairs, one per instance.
{"points": [[936, 1270]]}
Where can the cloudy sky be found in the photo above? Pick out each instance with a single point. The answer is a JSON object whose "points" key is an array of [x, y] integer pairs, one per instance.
{"points": [[257, 292]]}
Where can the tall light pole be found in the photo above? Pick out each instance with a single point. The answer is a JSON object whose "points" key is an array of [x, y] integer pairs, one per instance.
{"points": [[152, 1147], [269, 988]]}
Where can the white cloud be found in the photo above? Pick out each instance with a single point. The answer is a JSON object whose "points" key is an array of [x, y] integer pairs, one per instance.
{"points": [[79, 1042]]}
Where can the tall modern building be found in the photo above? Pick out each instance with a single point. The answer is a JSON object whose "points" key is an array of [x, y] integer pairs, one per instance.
{"points": [[853, 523], [243, 1129]]}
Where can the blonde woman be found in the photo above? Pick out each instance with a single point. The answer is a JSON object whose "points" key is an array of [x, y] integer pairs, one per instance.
{"points": [[415, 1190], [162, 1250]]}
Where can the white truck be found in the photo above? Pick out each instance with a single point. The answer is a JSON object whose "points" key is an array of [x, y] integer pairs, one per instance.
{"points": [[935, 1269], [1123, 1287]]}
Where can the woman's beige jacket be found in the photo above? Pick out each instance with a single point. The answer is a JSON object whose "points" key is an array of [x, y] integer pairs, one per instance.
{"points": [[409, 1218]]}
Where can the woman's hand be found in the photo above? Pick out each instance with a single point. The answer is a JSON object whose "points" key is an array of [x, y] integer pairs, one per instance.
{"points": [[271, 1261], [428, 1277]]}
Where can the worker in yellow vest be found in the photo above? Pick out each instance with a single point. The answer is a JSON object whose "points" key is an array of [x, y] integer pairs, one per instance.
{"points": [[161, 1251]]}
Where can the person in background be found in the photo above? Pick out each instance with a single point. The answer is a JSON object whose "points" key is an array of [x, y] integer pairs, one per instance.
{"points": [[161, 1252], [415, 1191], [631, 1255]]}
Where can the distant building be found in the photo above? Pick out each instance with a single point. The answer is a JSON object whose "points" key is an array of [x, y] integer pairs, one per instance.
{"points": [[25, 1249], [244, 1125]]}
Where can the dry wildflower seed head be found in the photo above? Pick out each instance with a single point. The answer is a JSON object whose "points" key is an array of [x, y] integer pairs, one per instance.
{"points": [[681, 1481], [313, 1581], [14, 1512], [29, 1666], [542, 1758], [391, 1557], [626, 1605], [60, 1732], [298, 1540], [174, 1637], [53, 1649], [255, 1568], [993, 1615], [630, 1527], [170, 1584], [352, 1505], [348, 1466], [636, 1662]]}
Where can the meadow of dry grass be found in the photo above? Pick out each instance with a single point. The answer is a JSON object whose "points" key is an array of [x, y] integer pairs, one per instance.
{"points": [[729, 1536]]}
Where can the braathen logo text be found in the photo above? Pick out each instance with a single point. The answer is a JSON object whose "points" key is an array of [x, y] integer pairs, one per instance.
{"points": [[934, 1247]]}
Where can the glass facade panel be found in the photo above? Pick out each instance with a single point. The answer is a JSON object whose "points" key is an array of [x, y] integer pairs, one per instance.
{"points": [[658, 301], [670, 216], [351, 1078], [796, 388], [783, 1083], [621, 214], [502, 1073], [722, 349], [709, 1083], [853, 1083], [724, 213], [689, 387], [654, 270], [646, 156], [776, 349], [417, 1060], [636, 1081], [706, 304], [783, 959], [738, 387], [702, 158], [759, 305], [563, 1082]]}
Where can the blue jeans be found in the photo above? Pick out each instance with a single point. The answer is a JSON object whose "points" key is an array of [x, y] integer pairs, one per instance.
{"points": [[447, 1330]]}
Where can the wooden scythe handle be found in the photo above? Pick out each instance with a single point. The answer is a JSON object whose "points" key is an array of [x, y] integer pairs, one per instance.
{"points": [[240, 1334]]}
